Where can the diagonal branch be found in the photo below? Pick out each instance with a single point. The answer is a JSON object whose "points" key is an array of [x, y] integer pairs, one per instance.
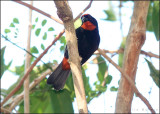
{"points": [[88, 6], [38, 10], [121, 50], [138, 94]]}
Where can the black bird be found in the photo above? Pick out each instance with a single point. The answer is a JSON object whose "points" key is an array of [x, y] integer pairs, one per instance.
{"points": [[88, 43]]}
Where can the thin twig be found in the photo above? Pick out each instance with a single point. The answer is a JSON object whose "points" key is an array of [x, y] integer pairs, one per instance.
{"points": [[38, 10], [138, 94], [88, 6], [121, 50], [150, 54]]}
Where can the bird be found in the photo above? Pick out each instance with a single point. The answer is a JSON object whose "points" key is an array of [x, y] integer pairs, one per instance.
{"points": [[88, 39]]}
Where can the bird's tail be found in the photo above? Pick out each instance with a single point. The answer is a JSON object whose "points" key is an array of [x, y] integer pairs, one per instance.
{"points": [[58, 78]]}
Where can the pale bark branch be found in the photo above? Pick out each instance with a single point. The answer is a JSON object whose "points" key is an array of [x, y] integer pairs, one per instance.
{"points": [[27, 64], [64, 12], [130, 81], [38, 10]]}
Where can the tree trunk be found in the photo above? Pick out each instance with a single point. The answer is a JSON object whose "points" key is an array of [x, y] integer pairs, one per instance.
{"points": [[65, 14], [135, 40]]}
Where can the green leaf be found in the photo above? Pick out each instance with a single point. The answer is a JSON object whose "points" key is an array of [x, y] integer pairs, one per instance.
{"points": [[61, 101], [45, 36], [154, 73], [62, 48], [44, 22], [108, 79], [7, 31], [34, 50], [19, 70], [63, 40], [46, 100], [110, 15], [33, 26], [37, 32], [9, 64], [12, 25], [102, 67], [15, 20], [2, 68], [69, 84], [42, 46], [51, 29], [36, 20], [77, 23], [15, 33], [100, 88], [149, 25], [120, 56], [113, 88], [155, 19]]}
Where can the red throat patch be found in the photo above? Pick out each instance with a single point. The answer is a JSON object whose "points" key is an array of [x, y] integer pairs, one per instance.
{"points": [[65, 64], [88, 26]]}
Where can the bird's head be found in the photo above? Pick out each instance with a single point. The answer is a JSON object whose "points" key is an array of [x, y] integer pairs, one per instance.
{"points": [[88, 22]]}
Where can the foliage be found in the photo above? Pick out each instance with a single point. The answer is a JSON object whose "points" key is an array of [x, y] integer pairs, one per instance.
{"points": [[110, 13], [154, 73], [4, 67], [153, 18], [120, 55], [43, 99]]}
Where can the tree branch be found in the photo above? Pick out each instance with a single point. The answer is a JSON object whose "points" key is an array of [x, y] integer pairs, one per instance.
{"points": [[38, 10], [130, 81], [121, 50], [64, 12], [135, 40]]}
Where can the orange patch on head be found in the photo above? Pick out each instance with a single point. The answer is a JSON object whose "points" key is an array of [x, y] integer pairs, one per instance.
{"points": [[88, 26], [65, 64]]}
